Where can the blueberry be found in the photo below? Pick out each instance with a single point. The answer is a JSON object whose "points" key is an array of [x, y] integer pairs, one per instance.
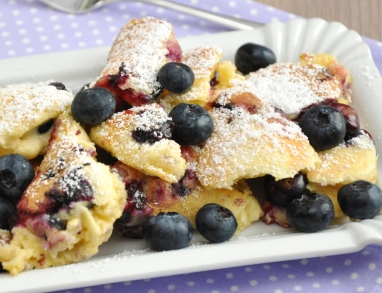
{"points": [[311, 212], [93, 106], [215, 223], [44, 127], [58, 85], [360, 199], [167, 231], [176, 77], [283, 191], [251, 57], [324, 126], [16, 172], [7, 210], [193, 124]]}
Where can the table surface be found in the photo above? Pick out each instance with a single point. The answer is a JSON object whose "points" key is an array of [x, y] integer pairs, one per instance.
{"points": [[28, 27]]}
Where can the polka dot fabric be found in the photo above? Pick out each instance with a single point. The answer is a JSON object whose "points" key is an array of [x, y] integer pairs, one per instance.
{"points": [[29, 27]]}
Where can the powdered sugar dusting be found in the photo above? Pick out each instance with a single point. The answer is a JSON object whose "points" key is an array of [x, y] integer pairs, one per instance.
{"points": [[24, 105], [140, 48], [202, 60], [292, 87]]}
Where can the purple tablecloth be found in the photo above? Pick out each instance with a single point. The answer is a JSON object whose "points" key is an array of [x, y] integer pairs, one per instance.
{"points": [[28, 27]]}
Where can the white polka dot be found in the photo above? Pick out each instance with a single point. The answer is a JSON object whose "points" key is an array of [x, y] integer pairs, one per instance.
{"points": [[285, 266], [43, 38], [15, 12], [372, 266], [146, 280], [25, 41], [297, 288], [19, 22], [329, 270], [160, 10], [36, 20], [360, 289], [151, 291], [248, 269], [234, 288], [46, 47], [278, 291], [8, 43], [53, 17], [78, 34], [71, 16], [215, 291], [181, 16], [57, 27], [64, 45], [304, 262], [107, 286], [270, 8], [365, 252], [29, 50], [253, 283], [215, 8], [354, 276], [128, 283], [378, 281], [126, 16], [33, 10], [185, 26], [273, 278], [60, 36], [310, 274], [291, 276], [143, 13], [316, 285], [87, 290], [109, 19], [202, 23], [347, 262], [171, 287], [95, 32], [229, 276], [122, 6], [22, 31], [2, 24], [194, 1], [267, 267], [232, 3], [74, 24], [92, 22], [11, 52], [5, 34], [335, 282], [83, 44], [210, 281], [112, 29], [190, 284]]}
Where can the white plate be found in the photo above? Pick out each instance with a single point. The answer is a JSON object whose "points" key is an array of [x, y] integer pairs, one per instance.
{"points": [[122, 260]]}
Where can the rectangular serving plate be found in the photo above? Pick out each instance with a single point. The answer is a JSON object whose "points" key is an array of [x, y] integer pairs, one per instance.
{"points": [[124, 259]]}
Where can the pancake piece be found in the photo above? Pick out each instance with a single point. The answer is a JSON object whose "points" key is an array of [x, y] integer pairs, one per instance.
{"points": [[27, 115], [250, 139], [139, 137], [203, 61], [291, 87], [69, 208], [141, 48], [148, 196], [352, 160]]}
